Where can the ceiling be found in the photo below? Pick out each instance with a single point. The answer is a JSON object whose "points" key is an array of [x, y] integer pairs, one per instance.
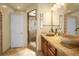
{"points": [[72, 7], [19, 6], [25, 6], [22, 6]]}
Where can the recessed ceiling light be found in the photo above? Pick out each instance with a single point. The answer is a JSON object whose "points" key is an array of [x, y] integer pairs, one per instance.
{"points": [[18, 7], [4, 6]]}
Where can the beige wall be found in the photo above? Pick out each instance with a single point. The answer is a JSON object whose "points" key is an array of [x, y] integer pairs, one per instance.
{"points": [[45, 11], [31, 7], [6, 28]]}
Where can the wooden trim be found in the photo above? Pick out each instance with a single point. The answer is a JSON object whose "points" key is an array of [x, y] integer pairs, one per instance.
{"points": [[55, 52], [65, 23], [28, 27], [2, 39], [76, 23], [28, 23], [1, 33], [10, 28]]}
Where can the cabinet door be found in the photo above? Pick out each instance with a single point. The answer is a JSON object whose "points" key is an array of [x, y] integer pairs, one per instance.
{"points": [[0, 33], [50, 53], [52, 49], [45, 49], [42, 43]]}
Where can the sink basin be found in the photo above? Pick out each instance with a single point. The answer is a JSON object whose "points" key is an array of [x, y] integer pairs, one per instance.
{"points": [[70, 46], [50, 34], [70, 40]]}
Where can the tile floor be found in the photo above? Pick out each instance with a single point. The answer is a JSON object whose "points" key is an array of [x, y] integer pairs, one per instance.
{"points": [[20, 52], [32, 44], [30, 51]]}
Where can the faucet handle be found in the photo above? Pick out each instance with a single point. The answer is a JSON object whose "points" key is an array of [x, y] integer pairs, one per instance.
{"points": [[52, 30]]}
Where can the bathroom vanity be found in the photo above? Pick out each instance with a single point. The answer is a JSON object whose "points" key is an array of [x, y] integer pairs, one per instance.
{"points": [[53, 46]]}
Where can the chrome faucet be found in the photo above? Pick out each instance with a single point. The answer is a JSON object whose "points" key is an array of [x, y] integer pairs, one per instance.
{"points": [[52, 29], [56, 30]]}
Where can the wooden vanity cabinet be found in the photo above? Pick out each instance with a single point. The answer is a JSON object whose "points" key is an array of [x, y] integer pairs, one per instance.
{"points": [[47, 49], [52, 51], [44, 46]]}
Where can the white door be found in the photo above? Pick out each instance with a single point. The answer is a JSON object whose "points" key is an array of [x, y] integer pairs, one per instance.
{"points": [[17, 30], [71, 25]]}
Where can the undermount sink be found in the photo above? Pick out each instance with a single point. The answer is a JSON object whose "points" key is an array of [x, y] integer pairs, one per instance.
{"points": [[50, 34], [70, 46], [70, 40]]}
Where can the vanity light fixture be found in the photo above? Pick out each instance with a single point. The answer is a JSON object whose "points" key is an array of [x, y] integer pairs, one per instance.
{"points": [[18, 7]]}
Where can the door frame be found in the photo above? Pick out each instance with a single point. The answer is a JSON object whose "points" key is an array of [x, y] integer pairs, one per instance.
{"points": [[1, 33], [28, 26]]}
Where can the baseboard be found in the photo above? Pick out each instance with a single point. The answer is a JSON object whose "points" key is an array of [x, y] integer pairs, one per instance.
{"points": [[6, 50]]}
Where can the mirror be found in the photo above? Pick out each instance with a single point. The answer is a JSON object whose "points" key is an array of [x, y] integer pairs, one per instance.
{"points": [[57, 17], [72, 19]]}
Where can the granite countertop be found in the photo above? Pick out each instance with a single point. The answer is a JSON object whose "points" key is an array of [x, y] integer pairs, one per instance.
{"points": [[56, 42]]}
